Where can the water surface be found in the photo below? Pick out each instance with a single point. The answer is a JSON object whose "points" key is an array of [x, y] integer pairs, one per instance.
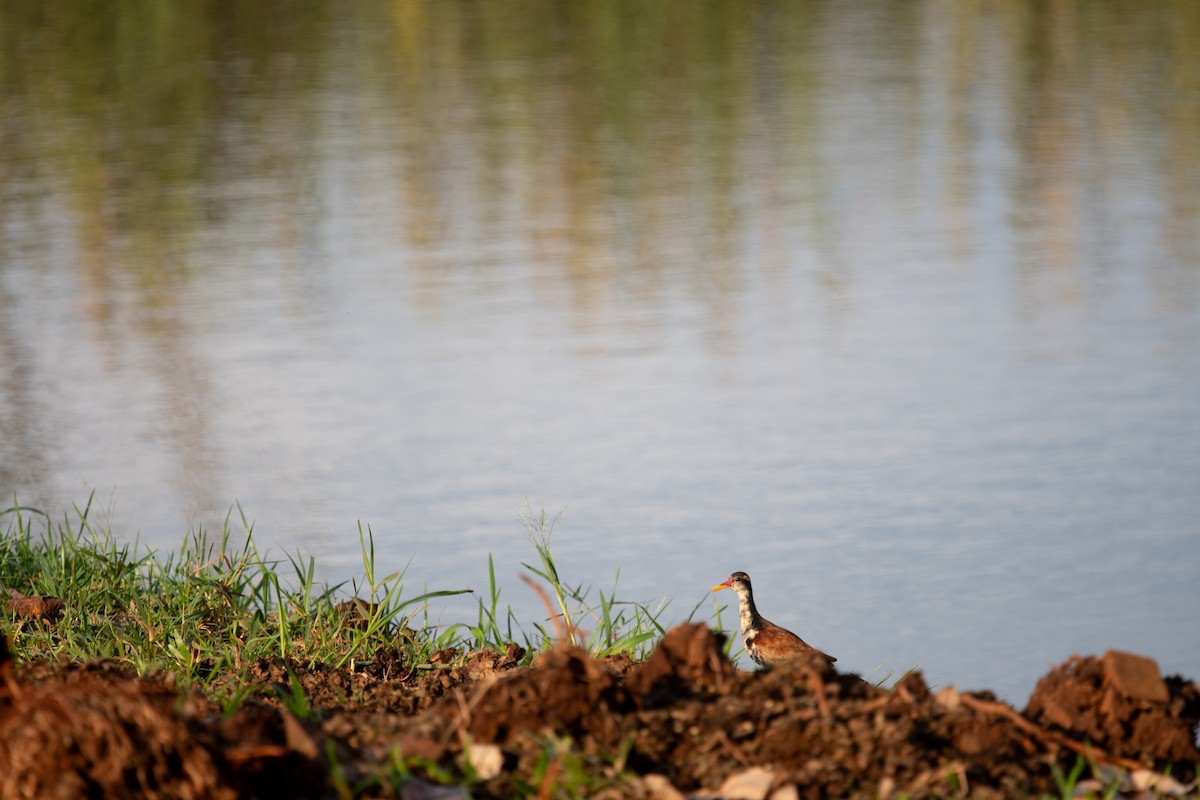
{"points": [[895, 306]]}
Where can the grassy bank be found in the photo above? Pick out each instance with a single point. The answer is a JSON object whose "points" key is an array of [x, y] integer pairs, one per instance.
{"points": [[384, 699], [215, 608], [217, 603]]}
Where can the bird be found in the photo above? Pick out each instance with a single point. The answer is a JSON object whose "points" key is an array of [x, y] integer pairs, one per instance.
{"points": [[767, 643]]}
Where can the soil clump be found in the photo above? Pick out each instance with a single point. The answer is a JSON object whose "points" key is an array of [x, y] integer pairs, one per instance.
{"points": [[683, 722]]}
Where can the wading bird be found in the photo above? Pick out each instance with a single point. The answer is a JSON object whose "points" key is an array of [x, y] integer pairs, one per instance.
{"points": [[766, 643]]}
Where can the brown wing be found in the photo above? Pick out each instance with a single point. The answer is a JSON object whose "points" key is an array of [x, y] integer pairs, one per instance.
{"points": [[776, 644]]}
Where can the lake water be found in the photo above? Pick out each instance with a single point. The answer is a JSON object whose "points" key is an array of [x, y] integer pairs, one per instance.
{"points": [[895, 306]]}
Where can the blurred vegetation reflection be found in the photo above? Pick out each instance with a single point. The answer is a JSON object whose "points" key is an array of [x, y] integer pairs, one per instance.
{"points": [[641, 143]]}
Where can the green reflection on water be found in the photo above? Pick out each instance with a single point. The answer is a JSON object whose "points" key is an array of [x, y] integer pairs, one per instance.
{"points": [[629, 135]]}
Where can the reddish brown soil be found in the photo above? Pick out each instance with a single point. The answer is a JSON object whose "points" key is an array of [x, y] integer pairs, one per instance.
{"points": [[75, 730]]}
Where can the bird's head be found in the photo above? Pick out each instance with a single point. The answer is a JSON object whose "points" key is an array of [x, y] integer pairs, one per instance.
{"points": [[738, 581]]}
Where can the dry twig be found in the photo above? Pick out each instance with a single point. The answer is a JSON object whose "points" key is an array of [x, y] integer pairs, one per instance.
{"points": [[1047, 736]]}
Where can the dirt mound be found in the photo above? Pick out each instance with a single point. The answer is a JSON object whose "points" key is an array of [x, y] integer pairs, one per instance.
{"points": [[78, 741], [687, 715], [1120, 704], [690, 660], [683, 720], [96, 731]]}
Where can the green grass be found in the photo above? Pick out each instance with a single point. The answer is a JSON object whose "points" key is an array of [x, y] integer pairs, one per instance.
{"points": [[214, 606], [217, 604], [603, 626]]}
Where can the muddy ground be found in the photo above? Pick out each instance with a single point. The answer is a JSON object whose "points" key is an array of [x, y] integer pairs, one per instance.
{"points": [[682, 723]]}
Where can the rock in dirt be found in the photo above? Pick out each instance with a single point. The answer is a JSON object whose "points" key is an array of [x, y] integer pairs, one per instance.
{"points": [[482, 664], [486, 761], [756, 783], [1134, 677], [41, 607], [657, 787]]}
